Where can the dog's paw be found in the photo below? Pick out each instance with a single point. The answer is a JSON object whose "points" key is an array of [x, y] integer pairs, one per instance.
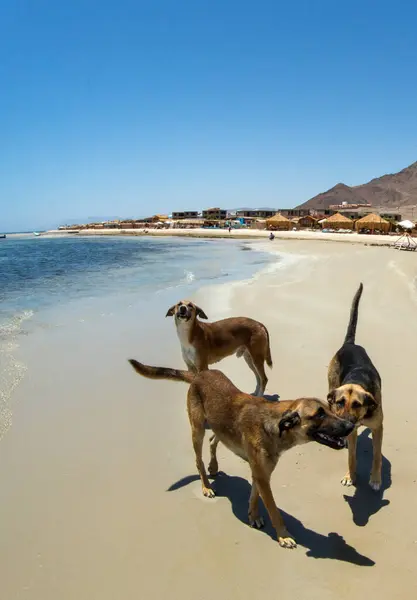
{"points": [[375, 484], [208, 492], [213, 468], [257, 522], [347, 481], [287, 542]]}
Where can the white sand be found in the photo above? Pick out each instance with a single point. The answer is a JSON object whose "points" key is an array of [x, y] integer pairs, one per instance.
{"points": [[352, 237], [100, 498]]}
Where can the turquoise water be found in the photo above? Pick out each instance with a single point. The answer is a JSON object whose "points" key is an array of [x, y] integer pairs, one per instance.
{"points": [[98, 286], [37, 274]]}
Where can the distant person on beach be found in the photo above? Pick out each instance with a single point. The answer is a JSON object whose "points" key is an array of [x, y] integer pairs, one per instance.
{"points": [[271, 236], [230, 228]]}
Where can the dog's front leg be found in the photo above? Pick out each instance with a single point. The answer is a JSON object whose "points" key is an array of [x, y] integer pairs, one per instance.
{"points": [[261, 485], [350, 477], [375, 480], [253, 514], [284, 538]]}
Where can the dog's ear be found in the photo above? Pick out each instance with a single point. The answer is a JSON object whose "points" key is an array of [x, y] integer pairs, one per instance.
{"points": [[200, 313], [331, 397], [371, 405], [171, 311], [289, 419]]}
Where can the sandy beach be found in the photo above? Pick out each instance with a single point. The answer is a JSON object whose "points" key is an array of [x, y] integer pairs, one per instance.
{"points": [[100, 498], [256, 234]]}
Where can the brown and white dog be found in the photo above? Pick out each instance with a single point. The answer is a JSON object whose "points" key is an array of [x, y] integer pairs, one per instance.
{"points": [[355, 395], [256, 430], [203, 344]]}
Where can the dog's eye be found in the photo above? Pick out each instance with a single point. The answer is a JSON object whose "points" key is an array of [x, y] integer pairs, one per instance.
{"points": [[340, 402], [356, 404], [320, 414]]}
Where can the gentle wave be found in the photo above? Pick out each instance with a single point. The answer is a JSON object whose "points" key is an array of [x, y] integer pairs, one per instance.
{"points": [[12, 371]]}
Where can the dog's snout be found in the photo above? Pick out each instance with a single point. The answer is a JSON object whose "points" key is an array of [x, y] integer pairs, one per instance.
{"points": [[182, 309], [349, 426]]}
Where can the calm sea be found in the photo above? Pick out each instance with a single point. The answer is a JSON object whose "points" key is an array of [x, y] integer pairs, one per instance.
{"points": [[41, 273], [50, 282]]}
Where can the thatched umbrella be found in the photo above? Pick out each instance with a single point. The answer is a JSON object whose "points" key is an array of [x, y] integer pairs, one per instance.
{"points": [[278, 222], [373, 222], [338, 221]]}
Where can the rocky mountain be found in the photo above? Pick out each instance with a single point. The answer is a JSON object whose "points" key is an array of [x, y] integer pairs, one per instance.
{"points": [[388, 191]]}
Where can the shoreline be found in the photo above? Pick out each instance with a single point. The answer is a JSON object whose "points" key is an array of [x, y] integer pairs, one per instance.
{"points": [[347, 238]]}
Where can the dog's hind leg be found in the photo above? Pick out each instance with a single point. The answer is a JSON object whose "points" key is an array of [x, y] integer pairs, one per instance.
{"points": [[197, 422], [213, 467], [375, 480], [249, 361], [350, 477]]}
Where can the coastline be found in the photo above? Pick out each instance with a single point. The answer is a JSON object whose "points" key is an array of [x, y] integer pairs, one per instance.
{"points": [[351, 238], [104, 460]]}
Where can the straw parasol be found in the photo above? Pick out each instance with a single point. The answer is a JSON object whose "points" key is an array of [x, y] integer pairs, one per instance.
{"points": [[278, 222], [338, 221], [372, 222]]}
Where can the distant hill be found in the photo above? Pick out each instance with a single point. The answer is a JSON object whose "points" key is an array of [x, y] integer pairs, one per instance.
{"points": [[388, 191]]}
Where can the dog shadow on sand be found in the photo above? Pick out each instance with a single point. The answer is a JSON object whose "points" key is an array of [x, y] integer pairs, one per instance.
{"points": [[237, 490], [365, 502]]}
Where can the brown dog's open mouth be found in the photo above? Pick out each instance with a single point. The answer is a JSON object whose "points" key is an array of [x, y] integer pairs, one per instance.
{"points": [[336, 443]]}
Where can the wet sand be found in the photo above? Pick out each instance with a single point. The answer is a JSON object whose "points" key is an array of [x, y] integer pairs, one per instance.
{"points": [[100, 497]]}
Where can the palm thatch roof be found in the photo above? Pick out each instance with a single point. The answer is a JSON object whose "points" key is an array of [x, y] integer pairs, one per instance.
{"points": [[372, 221], [339, 221], [278, 221], [278, 218]]}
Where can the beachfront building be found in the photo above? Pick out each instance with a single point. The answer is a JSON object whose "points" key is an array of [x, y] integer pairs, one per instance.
{"points": [[293, 212], [127, 224], [308, 221], [188, 223], [111, 224], [214, 214], [185, 214], [255, 213], [155, 219]]}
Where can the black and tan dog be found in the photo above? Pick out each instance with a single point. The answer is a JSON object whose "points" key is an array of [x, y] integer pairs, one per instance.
{"points": [[254, 429], [355, 394]]}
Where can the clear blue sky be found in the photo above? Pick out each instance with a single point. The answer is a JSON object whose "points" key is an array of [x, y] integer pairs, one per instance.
{"points": [[134, 107]]}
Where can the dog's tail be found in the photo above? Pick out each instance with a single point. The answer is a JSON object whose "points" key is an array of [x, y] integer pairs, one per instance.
{"points": [[162, 372], [353, 321], [268, 350]]}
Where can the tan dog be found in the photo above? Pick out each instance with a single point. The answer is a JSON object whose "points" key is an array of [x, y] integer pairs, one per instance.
{"points": [[355, 394], [203, 344], [254, 429]]}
